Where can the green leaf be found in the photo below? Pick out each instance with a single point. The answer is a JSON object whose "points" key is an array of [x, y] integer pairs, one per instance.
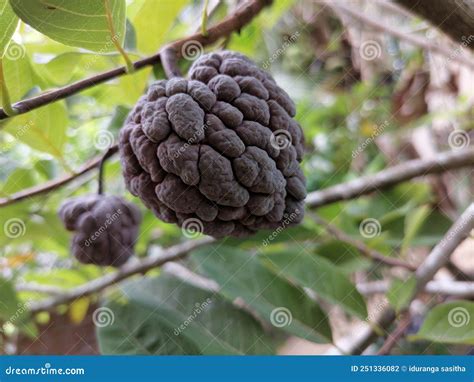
{"points": [[138, 330], [241, 275], [214, 325], [400, 293], [452, 322], [8, 23], [9, 303], [320, 275], [43, 129], [19, 74], [414, 220], [12, 310], [346, 257], [150, 35], [81, 24]]}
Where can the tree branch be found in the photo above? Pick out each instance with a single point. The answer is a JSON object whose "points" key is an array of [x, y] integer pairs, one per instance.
{"points": [[459, 289], [234, 22], [391, 176]]}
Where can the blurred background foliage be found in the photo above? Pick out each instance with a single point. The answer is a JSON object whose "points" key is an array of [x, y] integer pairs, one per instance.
{"points": [[359, 116]]}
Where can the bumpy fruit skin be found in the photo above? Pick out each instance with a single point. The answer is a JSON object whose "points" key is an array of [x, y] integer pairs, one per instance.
{"points": [[210, 148], [105, 227]]}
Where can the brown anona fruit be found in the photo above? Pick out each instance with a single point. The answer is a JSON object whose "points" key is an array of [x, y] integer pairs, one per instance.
{"points": [[105, 227], [221, 148]]}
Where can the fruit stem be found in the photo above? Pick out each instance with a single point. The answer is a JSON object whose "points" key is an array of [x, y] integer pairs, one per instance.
{"points": [[115, 38]]}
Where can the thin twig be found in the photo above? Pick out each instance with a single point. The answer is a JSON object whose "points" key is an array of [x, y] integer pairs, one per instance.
{"points": [[55, 183], [391, 176], [459, 289], [396, 335], [235, 22], [363, 249]]}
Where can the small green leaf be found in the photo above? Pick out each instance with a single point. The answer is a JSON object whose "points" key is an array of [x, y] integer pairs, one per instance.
{"points": [[81, 24], [241, 275], [9, 302], [400, 293], [414, 220], [452, 322], [320, 275], [8, 24]]}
